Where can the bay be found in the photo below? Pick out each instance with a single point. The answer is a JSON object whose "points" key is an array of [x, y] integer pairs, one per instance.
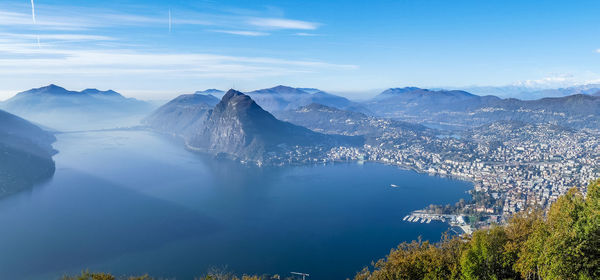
{"points": [[135, 202]]}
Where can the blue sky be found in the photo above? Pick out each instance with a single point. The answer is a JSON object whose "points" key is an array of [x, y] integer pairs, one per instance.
{"points": [[352, 47]]}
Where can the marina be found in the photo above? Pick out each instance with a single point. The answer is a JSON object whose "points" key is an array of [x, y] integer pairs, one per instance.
{"points": [[424, 217]]}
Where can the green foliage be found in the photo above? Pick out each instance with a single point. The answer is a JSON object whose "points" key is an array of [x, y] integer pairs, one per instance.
{"points": [[419, 260], [565, 244], [485, 256]]}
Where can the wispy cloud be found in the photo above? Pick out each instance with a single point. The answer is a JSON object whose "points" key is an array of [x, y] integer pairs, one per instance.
{"points": [[26, 59], [561, 80], [282, 23], [549, 81], [242, 32], [82, 19], [61, 18], [104, 45], [304, 34], [33, 11], [14, 19], [58, 37], [598, 50]]}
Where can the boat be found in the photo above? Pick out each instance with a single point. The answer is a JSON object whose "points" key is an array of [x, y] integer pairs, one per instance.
{"points": [[394, 186], [406, 217], [428, 221]]}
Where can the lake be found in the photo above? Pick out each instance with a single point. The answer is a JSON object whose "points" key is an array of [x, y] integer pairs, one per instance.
{"points": [[135, 202]]}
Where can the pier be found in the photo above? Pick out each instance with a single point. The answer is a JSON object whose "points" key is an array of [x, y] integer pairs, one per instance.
{"points": [[424, 217]]}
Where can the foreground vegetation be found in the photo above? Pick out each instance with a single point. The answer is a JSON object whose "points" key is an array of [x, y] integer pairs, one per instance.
{"points": [[563, 243]]}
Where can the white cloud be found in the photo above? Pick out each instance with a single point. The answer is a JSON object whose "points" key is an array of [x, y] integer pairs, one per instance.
{"points": [[77, 46], [304, 34], [598, 50], [27, 59], [561, 80], [242, 32], [281, 23]]}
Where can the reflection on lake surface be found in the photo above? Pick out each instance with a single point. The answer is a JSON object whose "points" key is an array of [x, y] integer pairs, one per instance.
{"points": [[133, 202]]}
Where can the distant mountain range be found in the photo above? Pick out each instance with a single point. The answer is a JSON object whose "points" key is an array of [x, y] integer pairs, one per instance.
{"points": [[532, 93], [214, 92], [238, 128], [26, 154], [446, 109], [281, 98], [54, 98], [58, 107], [459, 109], [184, 115], [331, 120]]}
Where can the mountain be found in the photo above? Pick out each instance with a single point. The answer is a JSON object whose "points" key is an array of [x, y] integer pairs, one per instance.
{"points": [[53, 98], [331, 100], [459, 109], [26, 154], [211, 91], [278, 98], [331, 120], [412, 103], [60, 108], [533, 93], [239, 128], [99, 93], [182, 115], [310, 90], [281, 98]]}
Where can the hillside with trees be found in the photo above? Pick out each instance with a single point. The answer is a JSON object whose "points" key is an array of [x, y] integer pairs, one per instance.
{"points": [[563, 243]]}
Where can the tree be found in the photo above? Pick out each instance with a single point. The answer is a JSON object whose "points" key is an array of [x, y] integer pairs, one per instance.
{"points": [[561, 254], [418, 260], [519, 230], [589, 230], [565, 244], [484, 257]]}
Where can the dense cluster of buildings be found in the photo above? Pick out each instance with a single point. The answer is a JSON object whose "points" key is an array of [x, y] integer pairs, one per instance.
{"points": [[512, 166]]}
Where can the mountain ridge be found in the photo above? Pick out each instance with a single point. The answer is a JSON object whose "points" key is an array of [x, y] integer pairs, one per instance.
{"points": [[63, 109], [238, 128], [26, 153]]}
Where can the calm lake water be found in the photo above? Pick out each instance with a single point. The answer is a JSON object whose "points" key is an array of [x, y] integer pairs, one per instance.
{"points": [[133, 202]]}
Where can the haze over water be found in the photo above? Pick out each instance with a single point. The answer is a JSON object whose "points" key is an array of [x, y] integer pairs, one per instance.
{"points": [[134, 202]]}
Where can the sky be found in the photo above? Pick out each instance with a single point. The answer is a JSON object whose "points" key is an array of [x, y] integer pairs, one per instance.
{"points": [[157, 49]]}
